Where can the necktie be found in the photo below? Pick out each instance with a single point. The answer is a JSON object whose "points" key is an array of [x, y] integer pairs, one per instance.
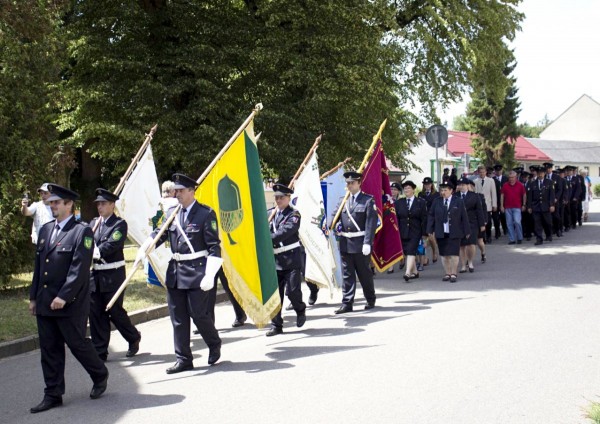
{"points": [[482, 181], [463, 195], [101, 228], [352, 201], [428, 193], [54, 233], [540, 184], [182, 218], [446, 214], [408, 202]]}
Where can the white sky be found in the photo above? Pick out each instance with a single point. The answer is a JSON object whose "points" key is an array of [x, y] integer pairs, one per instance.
{"points": [[558, 58]]}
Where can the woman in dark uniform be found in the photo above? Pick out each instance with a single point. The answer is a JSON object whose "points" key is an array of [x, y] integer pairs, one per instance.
{"points": [[429, 194], [396, 189], [449, 223], [476, 222], [412, 219]]}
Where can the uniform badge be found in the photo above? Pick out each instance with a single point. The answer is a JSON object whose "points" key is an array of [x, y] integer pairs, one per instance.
{"points": [[213, 225], [87, 242], [117, 235]]}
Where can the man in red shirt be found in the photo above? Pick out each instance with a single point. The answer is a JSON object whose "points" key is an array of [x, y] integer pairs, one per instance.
{"points": [[512, 202]]}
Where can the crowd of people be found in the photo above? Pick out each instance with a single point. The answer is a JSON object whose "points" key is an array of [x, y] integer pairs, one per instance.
{"points": [[79, 267], [452, 223]]}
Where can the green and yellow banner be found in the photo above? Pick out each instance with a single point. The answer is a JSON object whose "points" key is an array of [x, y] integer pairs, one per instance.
{"points": [[234, 189]]}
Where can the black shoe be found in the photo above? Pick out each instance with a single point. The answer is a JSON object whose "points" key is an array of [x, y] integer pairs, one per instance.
{"points": [[369, 305], [471, 269], [567, 230], [390, 271], [196, 331], [274, 331], [343, 309], [511, 242], [312, 299], [99, 388], [44, 405], [239, 321], [179, 367], [289, 307], [406, 277], [538, 242], [214, 354], [301, 319], [462, 271], [134, 347], [519, 241], [482, 259], [548, 239], [103, 356], [453, 278], [446, 277], [528, 238]]}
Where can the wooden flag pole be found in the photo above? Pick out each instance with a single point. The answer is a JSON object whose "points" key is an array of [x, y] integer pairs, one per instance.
{"points": [[171, 217], [376, 138], [300, 169], [335, 168], [134, 161]]}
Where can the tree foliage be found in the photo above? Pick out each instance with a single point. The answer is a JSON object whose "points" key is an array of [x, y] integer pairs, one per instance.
{"points": [[534, 131], [30, 63], [82, 80], [494, 120]]}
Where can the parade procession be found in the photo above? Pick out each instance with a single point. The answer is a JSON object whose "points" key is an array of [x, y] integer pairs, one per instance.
{"points": [[329, 231]]}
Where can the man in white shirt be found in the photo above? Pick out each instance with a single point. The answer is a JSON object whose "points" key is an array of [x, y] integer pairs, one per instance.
{"points": [[486, 186], [39, 211]]}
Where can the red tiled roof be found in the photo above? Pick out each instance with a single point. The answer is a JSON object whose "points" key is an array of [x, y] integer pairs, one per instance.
{"points": [[459, 142]]}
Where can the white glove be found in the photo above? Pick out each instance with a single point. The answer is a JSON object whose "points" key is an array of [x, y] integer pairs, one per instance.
{"points": [[366, 249], [96, 254], [141, 253], [213, 264]]}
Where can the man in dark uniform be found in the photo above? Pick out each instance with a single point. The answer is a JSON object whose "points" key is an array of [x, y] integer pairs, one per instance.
{"points": [[108, 272], [568, 189], [527, 218], [288, 256], [575, 196], [356, 229], [194, 240], [59, 297], [558, 184], [502, 179], [540, 203]]}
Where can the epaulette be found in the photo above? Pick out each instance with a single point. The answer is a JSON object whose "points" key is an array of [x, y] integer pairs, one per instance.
{"points": [[205, 206]]}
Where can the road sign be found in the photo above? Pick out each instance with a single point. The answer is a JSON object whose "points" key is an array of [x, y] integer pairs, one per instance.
{"points": [[436, 136]]}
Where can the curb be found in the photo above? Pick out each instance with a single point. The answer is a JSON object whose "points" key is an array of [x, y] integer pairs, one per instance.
{"points": [[30, 343]]}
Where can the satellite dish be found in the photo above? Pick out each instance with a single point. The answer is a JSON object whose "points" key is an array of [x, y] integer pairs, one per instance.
{"points": [[436, 136]]}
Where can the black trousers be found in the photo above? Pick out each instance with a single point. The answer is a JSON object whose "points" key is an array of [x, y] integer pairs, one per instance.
{"points": [[354, 264], [289, 284], [314, 289], [567, 216], [574, 205], [542, 224], [557, 223], [527, 221], [194, 304], [496, 219], [100, 320], [54, 334], [502, 216], [237, 308]]}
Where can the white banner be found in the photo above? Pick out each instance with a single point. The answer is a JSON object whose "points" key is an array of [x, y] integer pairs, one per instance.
{"points": [[140, 205], [336, 190], [308, 199]]}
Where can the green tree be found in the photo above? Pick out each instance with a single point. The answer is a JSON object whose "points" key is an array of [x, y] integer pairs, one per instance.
{"points": [[494, 119], [30, 65], [534, 131]]}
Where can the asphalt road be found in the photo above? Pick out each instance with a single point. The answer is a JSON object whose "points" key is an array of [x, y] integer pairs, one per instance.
{"points": [[515, 342]]}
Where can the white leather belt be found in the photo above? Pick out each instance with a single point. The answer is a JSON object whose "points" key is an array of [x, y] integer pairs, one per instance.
{"points": [[352, 235], [112, 265], [189, 256], [279, 250]]}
